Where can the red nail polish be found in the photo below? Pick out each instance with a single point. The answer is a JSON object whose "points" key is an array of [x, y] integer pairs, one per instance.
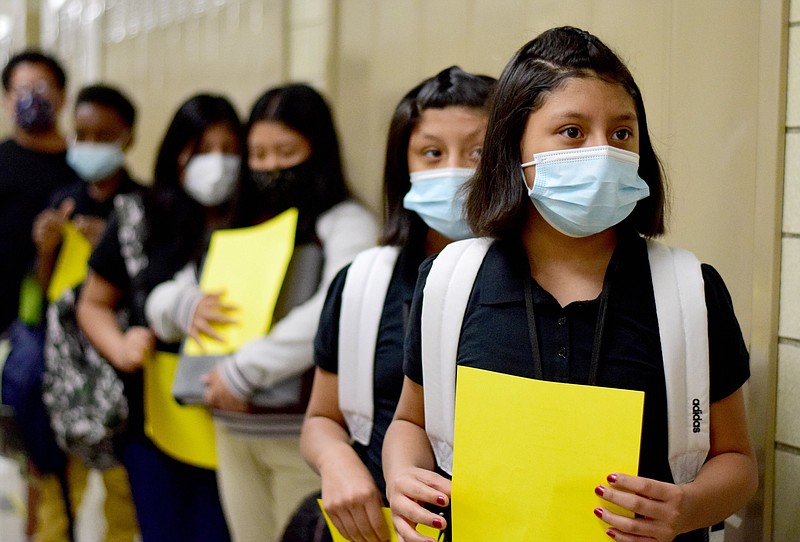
{"points": [[598, 512], [611, 533], [441, 501], [612, 478], [437, 523], [599, 490]]}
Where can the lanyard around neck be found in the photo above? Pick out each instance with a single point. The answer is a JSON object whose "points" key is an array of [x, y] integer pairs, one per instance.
{"points": [[538, 371]]}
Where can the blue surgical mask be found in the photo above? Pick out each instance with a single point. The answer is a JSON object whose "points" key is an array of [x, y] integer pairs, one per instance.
{"points": [[95, 161], [581, 192], [435, 197]]}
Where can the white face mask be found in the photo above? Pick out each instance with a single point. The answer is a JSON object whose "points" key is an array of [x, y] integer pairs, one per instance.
{"points": [[95, 161], [210, 178]]}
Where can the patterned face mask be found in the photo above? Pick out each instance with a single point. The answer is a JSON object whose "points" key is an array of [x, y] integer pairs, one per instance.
{"points": [[34, 113]]}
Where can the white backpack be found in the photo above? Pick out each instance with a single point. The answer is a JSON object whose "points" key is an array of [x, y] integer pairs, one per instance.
{"points": [[683, 328], [363, 297]]}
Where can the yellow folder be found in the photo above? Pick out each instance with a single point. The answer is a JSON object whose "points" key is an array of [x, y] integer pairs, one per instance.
{"points": [[71, 264], [387, 516], [185, 432], [249, 265], [529, 453]]}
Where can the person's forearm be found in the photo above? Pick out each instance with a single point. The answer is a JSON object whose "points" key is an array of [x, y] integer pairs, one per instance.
{"points": [[99, 324], [43, 269], [406, 445], [323, 441], [722, 487]]}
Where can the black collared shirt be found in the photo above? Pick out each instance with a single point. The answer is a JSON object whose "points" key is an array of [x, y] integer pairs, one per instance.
{"points": [[495, 336], [388, 375]]}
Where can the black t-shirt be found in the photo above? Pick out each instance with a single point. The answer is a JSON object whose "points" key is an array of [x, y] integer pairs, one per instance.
{"points": [[495, 336], [388, 374], [27, 181], [165, 258], [84, 203]]}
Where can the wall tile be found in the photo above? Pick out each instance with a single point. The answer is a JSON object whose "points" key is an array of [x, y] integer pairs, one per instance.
{"points": [[309, 53], [794, 11], [787, 430], [309, 12], [793, 83], [791, 187], [789, 325], [786, 524]]}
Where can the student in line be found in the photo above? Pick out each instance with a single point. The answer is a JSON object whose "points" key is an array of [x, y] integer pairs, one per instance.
{"points": [[569, 186], [32, 166], [258, 395], [434, 143], [104, 121], [149, 238]]}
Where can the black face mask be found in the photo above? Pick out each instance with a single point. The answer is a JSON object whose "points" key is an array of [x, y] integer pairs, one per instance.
{"points": [[280, 189], [34, 113]]}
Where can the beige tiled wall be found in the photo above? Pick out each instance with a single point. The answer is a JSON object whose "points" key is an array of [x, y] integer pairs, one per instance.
{"points": [[791, 188], [786, 526], [786, 516]]}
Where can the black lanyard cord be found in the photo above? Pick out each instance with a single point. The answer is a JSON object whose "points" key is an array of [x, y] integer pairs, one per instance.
{"points": [[538, 371]]}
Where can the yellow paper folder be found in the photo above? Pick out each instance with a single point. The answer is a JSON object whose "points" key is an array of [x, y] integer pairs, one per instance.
{"points": [[248, 265], [387, 516], [71, 264], [529, 453], [184, 432]]}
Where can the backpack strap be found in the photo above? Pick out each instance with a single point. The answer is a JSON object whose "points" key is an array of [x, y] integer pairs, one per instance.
{"points": [[683, 328], [132, 231], [446, 295], [363, 298]]}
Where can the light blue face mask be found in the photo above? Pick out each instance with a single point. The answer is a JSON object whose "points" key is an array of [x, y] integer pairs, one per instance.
{"points": [[95, 161], [435, 197], [581, 192]]}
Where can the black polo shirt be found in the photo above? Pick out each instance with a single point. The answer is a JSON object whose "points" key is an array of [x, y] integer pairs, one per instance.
{"points": [[388, 374], [495, 336]]}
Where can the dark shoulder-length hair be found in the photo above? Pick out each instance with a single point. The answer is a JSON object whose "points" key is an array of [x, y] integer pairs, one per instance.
{"points": [[304, 110], [170, 211], [497, 202], [450, 87]]}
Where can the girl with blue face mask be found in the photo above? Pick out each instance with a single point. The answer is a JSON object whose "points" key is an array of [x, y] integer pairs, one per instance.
{"points": [[569, 186], [434, 144]]}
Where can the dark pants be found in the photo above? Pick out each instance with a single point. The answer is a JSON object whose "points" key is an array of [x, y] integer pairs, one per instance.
{"points": [[22, 391], [174, 501]]}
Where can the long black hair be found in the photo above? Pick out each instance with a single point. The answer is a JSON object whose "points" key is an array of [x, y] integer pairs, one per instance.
{"points": [[171, 214], [450, 87], [304, 110], [497, 202]]}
